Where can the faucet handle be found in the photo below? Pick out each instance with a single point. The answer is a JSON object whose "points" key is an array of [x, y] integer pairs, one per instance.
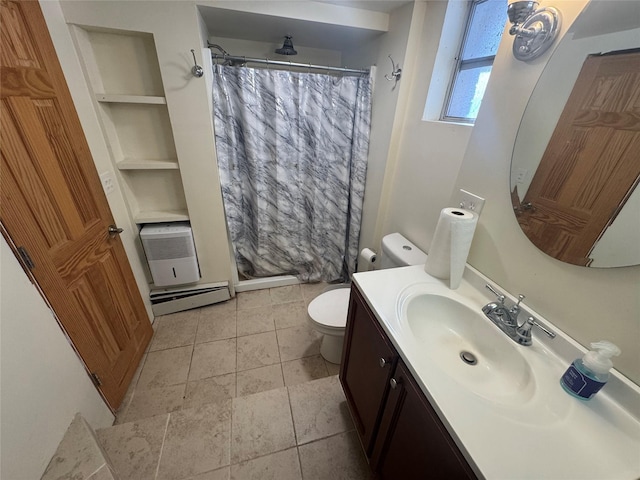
{"points": [[520, 298], [524, 331], [500, 296]]}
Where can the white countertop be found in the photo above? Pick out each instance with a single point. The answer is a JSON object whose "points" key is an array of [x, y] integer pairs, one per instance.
{"points": [[548, 435]]}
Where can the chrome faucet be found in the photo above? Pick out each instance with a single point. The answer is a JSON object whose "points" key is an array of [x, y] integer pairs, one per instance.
{"points": [[506, 319]]}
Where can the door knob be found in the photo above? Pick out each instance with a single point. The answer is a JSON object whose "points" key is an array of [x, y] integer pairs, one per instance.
{"points": [[113, 231]]}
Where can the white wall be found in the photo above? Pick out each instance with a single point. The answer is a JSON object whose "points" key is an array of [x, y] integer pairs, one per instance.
{"points": [[588, 304], [421, 177], [383, 113], [176, 30], [43, 384]]}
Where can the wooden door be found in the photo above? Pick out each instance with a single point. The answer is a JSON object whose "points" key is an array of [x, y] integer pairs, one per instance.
{"points": [[366, 368], [591, 163], [413, 444], [53, 205]]}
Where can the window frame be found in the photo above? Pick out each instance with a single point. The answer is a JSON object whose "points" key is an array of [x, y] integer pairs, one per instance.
{"points": [[461, 65]]}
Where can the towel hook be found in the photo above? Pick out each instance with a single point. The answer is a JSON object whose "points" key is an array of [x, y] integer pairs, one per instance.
{"points": [[196, 70], [396, 73]]}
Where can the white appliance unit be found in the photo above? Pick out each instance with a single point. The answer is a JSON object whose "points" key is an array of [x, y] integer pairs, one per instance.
{"points": [[171, 253]]}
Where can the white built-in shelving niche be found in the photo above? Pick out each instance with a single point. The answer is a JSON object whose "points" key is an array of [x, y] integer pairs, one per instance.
{"points": [[125, 78]]}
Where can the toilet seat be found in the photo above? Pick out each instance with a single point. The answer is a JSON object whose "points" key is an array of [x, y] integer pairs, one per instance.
{"points": [[328, 311]]}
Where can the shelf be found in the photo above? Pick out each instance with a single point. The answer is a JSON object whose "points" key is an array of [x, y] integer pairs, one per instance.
{"points": [[139, 99], [160, 216], [142, 164]]}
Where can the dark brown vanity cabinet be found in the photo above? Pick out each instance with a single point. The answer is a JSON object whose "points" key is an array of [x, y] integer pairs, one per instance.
{"points": [[401, 433]]}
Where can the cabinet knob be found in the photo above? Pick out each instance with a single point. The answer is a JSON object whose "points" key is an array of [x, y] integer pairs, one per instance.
{"points": [[394, 383], [382, 362]]}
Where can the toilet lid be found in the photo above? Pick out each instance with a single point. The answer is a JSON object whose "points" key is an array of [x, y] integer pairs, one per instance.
{"points": [[330, 308]]}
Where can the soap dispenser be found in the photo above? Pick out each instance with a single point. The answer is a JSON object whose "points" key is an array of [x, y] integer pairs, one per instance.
{"points": [[587, 375]]}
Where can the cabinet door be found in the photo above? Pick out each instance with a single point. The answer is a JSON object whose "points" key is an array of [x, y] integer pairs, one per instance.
{"points": [[413, 443], [367, 363]]}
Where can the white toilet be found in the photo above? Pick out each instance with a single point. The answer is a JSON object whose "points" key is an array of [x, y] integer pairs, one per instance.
{"points": [[328, 311]]}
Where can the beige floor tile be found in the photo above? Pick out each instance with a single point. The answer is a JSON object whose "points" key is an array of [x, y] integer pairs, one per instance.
{"points": [[216, 325], [103, 473], [210, 390], [255, 298], [292, 314], [319, 409], [304, 370], [175, 330], [332, 368], [122, 410], [220, 474], [312, 290], [165, 367], [290, 293], [134, 448], [153, 401], [259, 380], [230, 305], [298, 342], [213, 359], [255, 320], [337, 458], [261, 425], [78, 455], [197, 441], [257, 350], [277, 466]]}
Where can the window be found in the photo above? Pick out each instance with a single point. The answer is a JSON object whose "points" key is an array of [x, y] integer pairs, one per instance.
{"points": [[479, 46]]}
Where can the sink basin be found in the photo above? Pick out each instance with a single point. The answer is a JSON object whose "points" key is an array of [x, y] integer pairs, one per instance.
{"points": [[465, 345]]}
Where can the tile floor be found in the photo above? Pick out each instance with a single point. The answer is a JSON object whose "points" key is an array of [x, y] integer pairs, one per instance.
{"points": [[237, 391]]}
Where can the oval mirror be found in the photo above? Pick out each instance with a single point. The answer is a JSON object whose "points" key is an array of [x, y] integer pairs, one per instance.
{"points": [[576, 158]]}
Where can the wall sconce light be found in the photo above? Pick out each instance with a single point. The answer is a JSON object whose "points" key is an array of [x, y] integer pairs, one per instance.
{"points": [[535, 29]]}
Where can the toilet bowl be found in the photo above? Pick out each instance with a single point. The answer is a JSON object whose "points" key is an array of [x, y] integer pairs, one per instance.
{"points": [[327, 313]]}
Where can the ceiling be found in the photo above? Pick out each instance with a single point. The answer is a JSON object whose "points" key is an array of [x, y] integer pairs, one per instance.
{"points": [[230, 23]]}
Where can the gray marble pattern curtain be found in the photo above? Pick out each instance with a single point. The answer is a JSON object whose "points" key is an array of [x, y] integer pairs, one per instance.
{"points": [[292, 155]]}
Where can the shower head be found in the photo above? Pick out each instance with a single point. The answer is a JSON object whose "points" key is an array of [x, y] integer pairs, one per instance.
{"points": [[287, 47]]}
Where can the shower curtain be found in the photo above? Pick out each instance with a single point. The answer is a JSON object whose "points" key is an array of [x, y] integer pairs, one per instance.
{"points": [[292, 156]]}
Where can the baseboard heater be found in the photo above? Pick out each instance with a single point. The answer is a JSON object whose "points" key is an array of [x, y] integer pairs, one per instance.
{"points": [[172, 300]]}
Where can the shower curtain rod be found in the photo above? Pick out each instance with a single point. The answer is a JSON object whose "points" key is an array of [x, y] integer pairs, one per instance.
{"points": [[266, 61]]}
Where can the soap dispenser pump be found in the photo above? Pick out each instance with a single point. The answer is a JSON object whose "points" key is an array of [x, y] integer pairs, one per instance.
{"points": [[587, 375]]}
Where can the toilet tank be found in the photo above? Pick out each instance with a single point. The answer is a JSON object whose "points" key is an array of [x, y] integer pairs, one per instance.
{"points": [[397, 251]]}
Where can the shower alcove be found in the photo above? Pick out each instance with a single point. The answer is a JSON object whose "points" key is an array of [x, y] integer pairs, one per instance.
{"points": [[331, 35]]}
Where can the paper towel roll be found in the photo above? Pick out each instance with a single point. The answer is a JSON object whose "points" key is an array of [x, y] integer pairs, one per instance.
{"points": [[451, 244], [366, 259]]}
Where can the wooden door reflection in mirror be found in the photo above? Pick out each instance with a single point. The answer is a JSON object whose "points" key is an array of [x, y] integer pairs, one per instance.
{"points": [[591, 164]]}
